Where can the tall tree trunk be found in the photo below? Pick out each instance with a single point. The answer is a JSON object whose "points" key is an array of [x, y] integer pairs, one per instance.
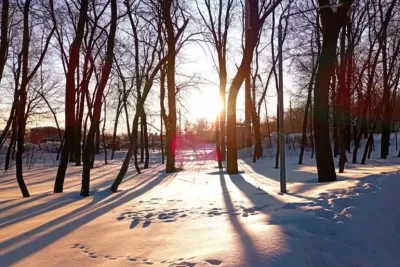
{"points": [[171, 125], [162, 140], [103, 131], [268, 127], [324, 159], [141, 138], [367, 146], [248, 108], [257, 132], [4, 36], [94, 126], [20, 113], [217, 143], [278, 138], [343, 101], [222, 115], [331, 21], [306, 111], [145, 143], [114, 138], [335, 118], [70, 98], [232, 167], [312, 131], [129, 154]]}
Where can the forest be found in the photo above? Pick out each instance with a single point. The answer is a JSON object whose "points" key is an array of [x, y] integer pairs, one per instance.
{"points": [[257, 94]]}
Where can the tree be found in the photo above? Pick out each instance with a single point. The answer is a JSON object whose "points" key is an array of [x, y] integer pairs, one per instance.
{"points": [[256, 23], [88, 150], [172, 15], [218, 18], [26, 76], [332, 20], [70, 96]]}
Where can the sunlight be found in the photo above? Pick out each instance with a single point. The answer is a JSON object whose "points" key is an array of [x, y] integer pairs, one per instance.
{"points": [[205, 105]]}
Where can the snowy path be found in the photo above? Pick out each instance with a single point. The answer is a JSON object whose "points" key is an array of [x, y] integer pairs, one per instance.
{"points": [[203, 217]]}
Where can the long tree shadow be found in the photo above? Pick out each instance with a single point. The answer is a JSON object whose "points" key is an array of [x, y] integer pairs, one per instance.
{"points": [[59, 202], [255, 194], [101, 203], [251, 256]]}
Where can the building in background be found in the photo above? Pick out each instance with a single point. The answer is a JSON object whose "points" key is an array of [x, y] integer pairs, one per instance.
{"points": [[39, 135]]}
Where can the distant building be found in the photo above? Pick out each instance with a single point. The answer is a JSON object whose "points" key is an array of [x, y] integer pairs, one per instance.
{"points": [[40, 135]]}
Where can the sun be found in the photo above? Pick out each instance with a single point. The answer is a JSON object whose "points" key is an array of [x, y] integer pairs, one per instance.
{"points": [[205, 105]]}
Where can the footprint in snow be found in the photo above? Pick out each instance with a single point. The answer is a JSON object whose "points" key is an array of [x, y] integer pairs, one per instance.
{"points": [[213, 262], [146, 223], [134, 223]]}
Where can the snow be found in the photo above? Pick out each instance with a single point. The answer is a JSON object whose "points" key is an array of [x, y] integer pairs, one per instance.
{"points": [[201, 216]]}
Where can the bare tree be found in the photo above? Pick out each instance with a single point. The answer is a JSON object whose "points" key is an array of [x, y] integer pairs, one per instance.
{"points": [[218, 18], [255, 26], [172, 16], [88, 150], [26, 77], [332, 20], [70, 97]]}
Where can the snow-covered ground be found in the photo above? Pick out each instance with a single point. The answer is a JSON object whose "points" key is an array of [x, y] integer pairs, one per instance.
{"points": [[204, 217]]}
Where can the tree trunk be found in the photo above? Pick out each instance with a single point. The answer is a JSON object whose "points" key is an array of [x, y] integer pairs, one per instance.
{"points": [[312, 131], [141, 139], [306, 113], [20, 113], [115, 131], [94, 126], [129, 154], [222, 115], [103, 130], [257, 132], [343, 101], [231, 166], [357, 140], [171, 125], [145, 143], [162, 141], [4, 36], [278, 138], [324, 159], [248, 107], [367, 147], [217, 143], [70, 99], [10, 149]]}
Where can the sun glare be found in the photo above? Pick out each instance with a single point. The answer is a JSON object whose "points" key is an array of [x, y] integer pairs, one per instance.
{"points": [[206, 106]]}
